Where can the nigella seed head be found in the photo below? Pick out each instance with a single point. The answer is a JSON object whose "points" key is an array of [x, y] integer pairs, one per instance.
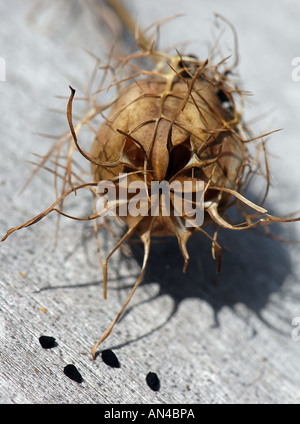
{"points": [[179, 121]]}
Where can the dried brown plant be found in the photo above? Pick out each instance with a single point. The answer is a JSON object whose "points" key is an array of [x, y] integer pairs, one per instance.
{"points": [[178, 120]]}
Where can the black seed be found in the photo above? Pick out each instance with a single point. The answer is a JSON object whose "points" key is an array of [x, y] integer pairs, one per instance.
{"points": [[153, 381], [47, 342], [222, 96], [189, 66], [72, 372], [110, 358]]}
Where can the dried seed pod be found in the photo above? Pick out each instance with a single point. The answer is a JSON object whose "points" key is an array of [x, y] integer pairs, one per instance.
{"points": [[177, 123], [170, 128]]}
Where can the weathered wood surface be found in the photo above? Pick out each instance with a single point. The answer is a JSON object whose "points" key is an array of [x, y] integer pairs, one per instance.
{"points": [[210, 338]]}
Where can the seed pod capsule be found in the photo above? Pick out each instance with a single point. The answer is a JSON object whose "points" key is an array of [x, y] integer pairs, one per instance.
{"points": [[170, 128], [176, 127]]}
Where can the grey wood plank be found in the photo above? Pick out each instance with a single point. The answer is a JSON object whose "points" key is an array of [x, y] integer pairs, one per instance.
{"points": [[210, 338]]}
